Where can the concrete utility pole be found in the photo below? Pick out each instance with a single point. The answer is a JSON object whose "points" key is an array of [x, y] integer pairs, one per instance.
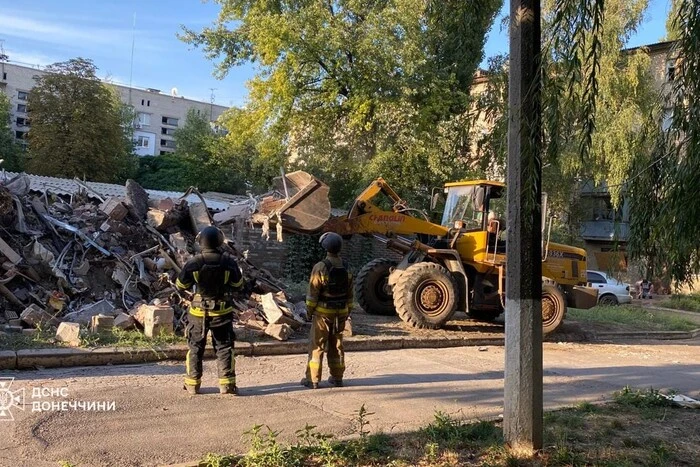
{"points": [[522, 416]]}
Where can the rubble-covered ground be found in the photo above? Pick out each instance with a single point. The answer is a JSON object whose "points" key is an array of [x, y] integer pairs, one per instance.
{"points": [[86, 264]]}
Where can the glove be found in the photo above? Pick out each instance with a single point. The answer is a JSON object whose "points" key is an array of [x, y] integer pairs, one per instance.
{"points": [[309, 315]]}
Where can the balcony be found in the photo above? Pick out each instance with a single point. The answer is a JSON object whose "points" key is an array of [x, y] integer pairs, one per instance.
{"points": [[605, 230]]}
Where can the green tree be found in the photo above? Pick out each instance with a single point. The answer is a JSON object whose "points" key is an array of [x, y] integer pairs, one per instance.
{"points": [[624, 118], [202, 159], [351, 90], [665, 208], [10, 152], [672, 31], [78, 125]]}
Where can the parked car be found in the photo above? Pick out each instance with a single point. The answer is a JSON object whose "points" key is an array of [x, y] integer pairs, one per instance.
{"points": [[610, 290]]}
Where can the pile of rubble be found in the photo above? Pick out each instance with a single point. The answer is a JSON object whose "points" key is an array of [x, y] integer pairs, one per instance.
{"points": [[86, 262]]}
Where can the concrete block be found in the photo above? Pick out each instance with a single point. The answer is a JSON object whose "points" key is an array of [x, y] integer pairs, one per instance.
{"points": [[35, 316], [158, 320], [156, 218], [124, 321], [30, 332], [101, 323], [280, 332], [114, 208], [68, 333]]}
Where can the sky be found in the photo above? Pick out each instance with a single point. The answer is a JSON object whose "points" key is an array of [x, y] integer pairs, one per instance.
{"points": [[41, 32]]}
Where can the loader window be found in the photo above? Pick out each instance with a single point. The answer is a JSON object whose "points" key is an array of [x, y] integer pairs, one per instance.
{"points": [[465, 203]]}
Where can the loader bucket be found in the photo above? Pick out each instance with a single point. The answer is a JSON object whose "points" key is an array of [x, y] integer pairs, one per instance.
{"points": [[306, 206]]}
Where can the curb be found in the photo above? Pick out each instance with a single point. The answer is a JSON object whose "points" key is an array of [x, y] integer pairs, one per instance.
{"points": [[69, 357]]}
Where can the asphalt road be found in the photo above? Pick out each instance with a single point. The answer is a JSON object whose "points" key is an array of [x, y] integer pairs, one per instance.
{"points": [[156, 422]]}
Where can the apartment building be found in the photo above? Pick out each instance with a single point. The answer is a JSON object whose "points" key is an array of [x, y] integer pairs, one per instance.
{"points": [[159, 114]]}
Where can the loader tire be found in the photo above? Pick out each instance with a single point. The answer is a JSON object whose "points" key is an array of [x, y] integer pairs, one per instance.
{"points": [[553, 308], [426, 296], [372, 290]]}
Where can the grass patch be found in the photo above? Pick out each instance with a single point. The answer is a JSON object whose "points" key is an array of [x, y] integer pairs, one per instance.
{"points": [[616, 434], [116, 337], [42, 339], [689, 302], [633, 317]]}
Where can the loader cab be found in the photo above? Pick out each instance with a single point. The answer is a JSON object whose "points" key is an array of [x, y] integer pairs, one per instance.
{"points": [[471, 201]]}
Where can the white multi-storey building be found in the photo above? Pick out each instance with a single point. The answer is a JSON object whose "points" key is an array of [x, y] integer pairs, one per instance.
{"points": [[158, 114]]}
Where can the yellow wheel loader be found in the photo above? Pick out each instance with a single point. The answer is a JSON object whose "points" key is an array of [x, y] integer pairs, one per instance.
{"points": [[458, 264]]}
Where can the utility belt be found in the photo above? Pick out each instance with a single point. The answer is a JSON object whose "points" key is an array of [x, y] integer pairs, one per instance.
{"points": [[202, 307]]}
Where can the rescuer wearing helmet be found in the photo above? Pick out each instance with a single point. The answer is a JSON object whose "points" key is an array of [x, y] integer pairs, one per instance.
{"points": [[328, 304], [214, 275]]}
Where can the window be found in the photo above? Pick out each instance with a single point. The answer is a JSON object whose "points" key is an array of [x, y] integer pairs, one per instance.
{"points": [[142, 142], [4, 76], [148, 103], [167, 131], [670, 70], [166, 143], [169, 121], [22, 108], [668, 120], [22, 121], [143, 101], [595, 278], [22, 95], [163, 153], [20, 134], [144, 119]]}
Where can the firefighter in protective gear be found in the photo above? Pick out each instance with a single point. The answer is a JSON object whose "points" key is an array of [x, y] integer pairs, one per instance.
{"points": [[215, 276], [328, 303]]}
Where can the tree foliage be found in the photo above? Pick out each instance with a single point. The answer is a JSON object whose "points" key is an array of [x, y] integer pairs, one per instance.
{"points": [[600, 107], [665, 208], [354, 89], [201, 159], [77, 125], [10, 152]]}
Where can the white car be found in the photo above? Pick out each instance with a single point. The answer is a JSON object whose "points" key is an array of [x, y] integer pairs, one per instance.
{"points": [[610, 290]]}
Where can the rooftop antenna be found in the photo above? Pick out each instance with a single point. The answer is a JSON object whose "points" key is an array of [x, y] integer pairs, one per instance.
{"points": [[133, 42], [211, 105]]}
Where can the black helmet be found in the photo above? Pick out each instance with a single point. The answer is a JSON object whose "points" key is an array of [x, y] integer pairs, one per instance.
{"points": [[331, 242], [210, 238]]}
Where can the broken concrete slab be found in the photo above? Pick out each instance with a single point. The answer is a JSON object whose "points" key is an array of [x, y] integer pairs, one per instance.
{"points": [[68, 333], [280, 332], [84, 316], [137, 199], [273, 313], [236, 211], [114, 208], [101, 323], [199, 215], [255, 325], [36, 316], [124, 321], [9, 253]]}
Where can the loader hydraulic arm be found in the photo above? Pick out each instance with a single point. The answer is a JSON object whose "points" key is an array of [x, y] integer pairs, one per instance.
{"points": [[366, 217]]}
